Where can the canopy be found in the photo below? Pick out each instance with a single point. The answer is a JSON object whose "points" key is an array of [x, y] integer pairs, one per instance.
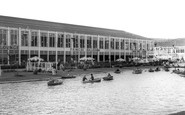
{"points": [[120, 60], [86, 58], [35, 58]]}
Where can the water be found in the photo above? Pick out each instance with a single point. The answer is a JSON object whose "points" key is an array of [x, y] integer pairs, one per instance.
{"points": [[148, 93]]}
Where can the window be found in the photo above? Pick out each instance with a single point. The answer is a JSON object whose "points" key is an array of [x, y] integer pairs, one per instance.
{"points": [[117, 44], [44, 40], [51, 40], [34, 38], [95, 42], [3, 37], [122, 44], [140, 46], [131, 46], [75, 41], [127, 45], [82, 41], [101, 43], [148, 46], [60, 40], [89, 45], [68, 41], [106, 43], [13, 37], [24, 38], [112, 43]]}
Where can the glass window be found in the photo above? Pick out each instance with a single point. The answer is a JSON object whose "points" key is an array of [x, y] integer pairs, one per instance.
{"points": [[117, 44], [13, 37], [95, 42], [3, 37], [140, 46], [43, 40], [82, 41], [60, 40], [68, 41], [51, 40], [34, 38], [112, 43], [89, 44], [75, 41], [148, 46], [106, 43], [127, 44], [122, 44], [101, 43], [24, 38]]}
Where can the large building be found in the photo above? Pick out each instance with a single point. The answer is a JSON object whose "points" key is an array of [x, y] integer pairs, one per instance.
{"points": [[21, 39]]}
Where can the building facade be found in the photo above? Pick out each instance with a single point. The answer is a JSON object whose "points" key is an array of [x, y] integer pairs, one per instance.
{"points": [[21, 39], [173, 52]]}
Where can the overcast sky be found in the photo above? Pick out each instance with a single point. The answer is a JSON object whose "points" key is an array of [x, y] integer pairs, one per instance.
{"points": [[148, 18]]}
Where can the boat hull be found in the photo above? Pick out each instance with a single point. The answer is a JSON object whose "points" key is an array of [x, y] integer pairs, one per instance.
{"points": [[108, 78], [93, 81], [54, 82]]}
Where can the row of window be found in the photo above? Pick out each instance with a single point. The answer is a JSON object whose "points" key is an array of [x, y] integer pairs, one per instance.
{"points": [[49, 40]]}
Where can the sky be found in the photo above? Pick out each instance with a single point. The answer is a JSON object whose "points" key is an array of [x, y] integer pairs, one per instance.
{"points": [[148, 18]]}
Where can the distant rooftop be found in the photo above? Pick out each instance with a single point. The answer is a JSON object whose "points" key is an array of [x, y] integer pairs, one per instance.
{"points": [[171, 42], [61, 27]]}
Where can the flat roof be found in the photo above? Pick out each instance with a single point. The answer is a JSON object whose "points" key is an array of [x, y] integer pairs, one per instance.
{"points": [[15, 22]]}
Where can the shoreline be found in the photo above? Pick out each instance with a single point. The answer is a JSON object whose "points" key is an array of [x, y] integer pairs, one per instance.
{"points": [[10, 77]]}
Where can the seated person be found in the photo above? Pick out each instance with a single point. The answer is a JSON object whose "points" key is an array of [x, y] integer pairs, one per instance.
{"points": [[117, 70], [92, 77], [108, 75], [84, 78]]}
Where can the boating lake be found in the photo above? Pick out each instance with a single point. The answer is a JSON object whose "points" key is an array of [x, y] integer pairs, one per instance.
{"points": [[155, 93]]}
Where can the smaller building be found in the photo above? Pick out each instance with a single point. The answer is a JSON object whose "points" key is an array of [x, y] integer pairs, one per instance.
{"points": [[170, 49]]}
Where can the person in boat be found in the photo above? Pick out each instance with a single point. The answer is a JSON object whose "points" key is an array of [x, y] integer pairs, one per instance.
{"points": [[92, 77], [84, 78], [109, 75], [117, 70]]}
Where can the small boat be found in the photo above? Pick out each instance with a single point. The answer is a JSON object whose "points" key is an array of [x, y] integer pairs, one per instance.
{"points": [[137, 71], [117, 71], [157, 69], [68, 77], [150, 70], [55, 82], [166, 69], [92, 81], [108, 78]]}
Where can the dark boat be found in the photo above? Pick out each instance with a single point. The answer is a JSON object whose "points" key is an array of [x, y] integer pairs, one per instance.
{"points": [[166, 69], [108, 78], [137, 71], [92, 81], [68, 77], [150, 70], [117, 71], [55, 82]]}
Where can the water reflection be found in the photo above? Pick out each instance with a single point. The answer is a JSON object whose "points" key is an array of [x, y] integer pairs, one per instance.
{"points": [[147, 93]]}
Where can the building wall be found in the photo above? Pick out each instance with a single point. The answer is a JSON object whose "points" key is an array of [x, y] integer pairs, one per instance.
{"points": [[23, 43]]}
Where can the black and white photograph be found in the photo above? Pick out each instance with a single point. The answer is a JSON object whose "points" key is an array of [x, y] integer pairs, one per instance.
{"points": [[92, 57]]}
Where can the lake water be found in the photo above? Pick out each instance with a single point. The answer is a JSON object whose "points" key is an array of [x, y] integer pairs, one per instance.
{"points": [[155, 93]]}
